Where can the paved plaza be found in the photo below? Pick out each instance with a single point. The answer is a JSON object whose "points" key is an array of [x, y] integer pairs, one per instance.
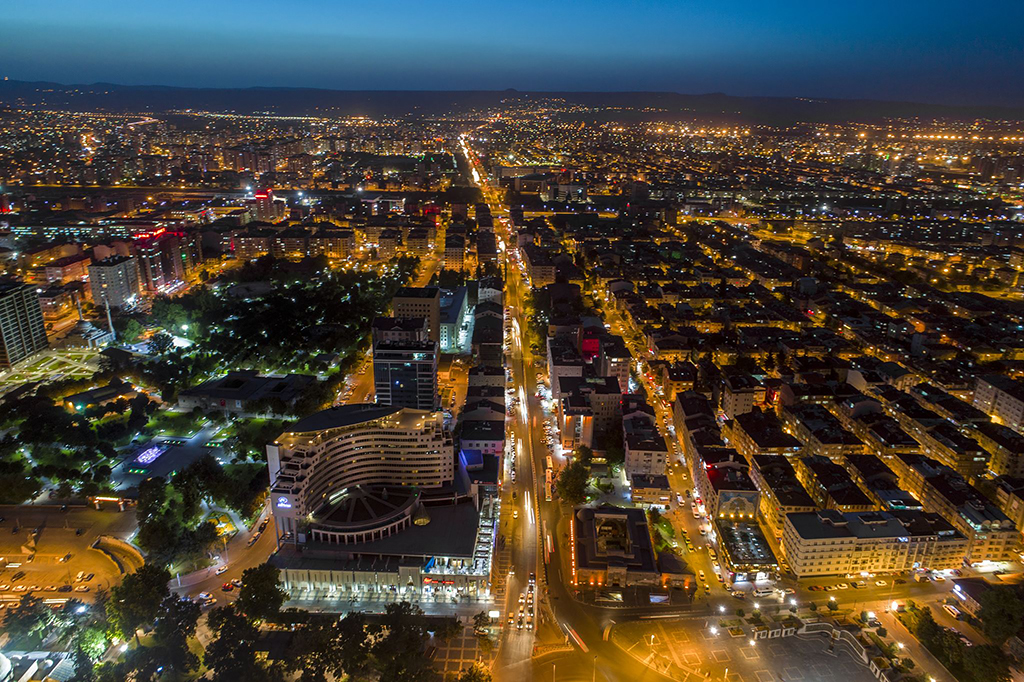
{"points": [[460, 652], [685, 650]]}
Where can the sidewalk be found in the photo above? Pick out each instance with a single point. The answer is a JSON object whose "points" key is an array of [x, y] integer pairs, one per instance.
{"points": [[913, 649], [465, 608]]}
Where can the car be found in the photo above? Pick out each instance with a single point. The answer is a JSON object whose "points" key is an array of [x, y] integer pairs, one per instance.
{"points": [[815, 588], [843, 586], [34, 588], [82, 588], [78, 577], [88, 577], [221, 569], [65, 588], [237, 582], [700, 574], [263, 525], [227, 587], [789, 590], [19, 588], [899, 581], [880, 583], [208, 602], [515, 513], [522, 599], [480, 632], [830, 588], [511, 618], [533, 578], [203, 596], [938, 578], [519, 623], [50, 588], [738, 594], [4, 588]]}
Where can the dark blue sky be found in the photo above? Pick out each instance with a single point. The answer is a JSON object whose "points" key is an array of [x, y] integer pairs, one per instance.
{"points": [[897, 49]]}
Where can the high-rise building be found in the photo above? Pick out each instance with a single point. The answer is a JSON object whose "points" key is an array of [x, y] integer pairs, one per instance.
{"points": [[266, 208], [22, 331], [405, 374], [160, 262], [420, 302], [114, 281]]}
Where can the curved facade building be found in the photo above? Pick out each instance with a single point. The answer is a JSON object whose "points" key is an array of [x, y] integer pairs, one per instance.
{"points": [[329, 457]]}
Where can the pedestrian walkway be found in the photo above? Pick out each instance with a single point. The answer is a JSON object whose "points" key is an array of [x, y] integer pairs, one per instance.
{"points": [[466, 607]]}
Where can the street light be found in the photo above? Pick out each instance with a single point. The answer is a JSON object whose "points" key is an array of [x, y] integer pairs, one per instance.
{"points": [[753, 643], [714, 630]]}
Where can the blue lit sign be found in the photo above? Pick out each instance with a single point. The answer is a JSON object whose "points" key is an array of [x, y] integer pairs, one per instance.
{"points": [[283, 503]]}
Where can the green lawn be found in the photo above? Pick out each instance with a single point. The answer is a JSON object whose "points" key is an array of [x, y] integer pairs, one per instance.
{"points": [[179, 424]]}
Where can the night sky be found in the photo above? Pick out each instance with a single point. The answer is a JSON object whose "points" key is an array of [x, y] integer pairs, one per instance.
{"points": [[944, 52]]}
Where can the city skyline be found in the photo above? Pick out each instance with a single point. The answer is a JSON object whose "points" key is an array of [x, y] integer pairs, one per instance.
{"points": [[907, 52]]}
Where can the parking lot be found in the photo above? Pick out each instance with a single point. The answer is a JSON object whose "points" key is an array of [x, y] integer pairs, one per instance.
{"points": [[51, 559]]}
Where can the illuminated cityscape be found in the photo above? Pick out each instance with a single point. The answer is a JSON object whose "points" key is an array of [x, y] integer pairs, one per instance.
{"points": [[404, 374]]}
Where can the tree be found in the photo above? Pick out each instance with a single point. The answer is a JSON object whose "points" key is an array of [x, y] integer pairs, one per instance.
{"points": [[986, 663], [475, 673], [29, 617], [136, 601], [315, 650], [160, 343], [261, 595], [174, 626], [583, 454], [130, 331], [881, 632], [152, 498], [398, 650], [448, 628], [231, 655], [832, 605], [354, 648], [91, 641], [1001, 613], [572, 483], [948, 647], [926, 629], [481, 620]]}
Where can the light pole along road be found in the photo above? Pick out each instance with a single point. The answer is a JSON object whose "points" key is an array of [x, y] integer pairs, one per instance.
{"points": [[593, 658]]}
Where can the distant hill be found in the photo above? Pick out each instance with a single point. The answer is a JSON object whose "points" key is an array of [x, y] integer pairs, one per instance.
{"points": [[311, 101]]}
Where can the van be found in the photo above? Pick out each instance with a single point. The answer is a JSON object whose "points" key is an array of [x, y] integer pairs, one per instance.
{"points": [[763, 592], [952, 611]]}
